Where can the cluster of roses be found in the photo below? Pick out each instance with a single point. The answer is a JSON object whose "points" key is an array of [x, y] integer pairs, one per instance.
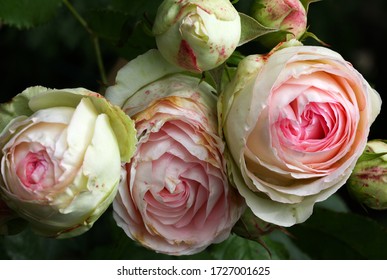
{"points": [[180, 159]]}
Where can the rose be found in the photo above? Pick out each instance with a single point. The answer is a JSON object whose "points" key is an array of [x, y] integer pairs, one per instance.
{"points": [[289, 17], [61, 157], [197, 35], [295, 122], [368, 181], [176, 198]]}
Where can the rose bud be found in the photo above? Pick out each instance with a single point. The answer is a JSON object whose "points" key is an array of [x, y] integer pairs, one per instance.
{"points": [[197, 35], [176, 198], [295, 122], [368, 181], [61, 154], [287, 16]]}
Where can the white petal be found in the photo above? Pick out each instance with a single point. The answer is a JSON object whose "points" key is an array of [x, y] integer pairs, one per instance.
{"points": [[79, 134], [138, 73]]}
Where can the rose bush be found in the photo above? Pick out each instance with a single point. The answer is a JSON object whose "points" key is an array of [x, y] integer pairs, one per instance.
{"points": [[175, 198], [295, 122], [197, 35], [61, 157]]}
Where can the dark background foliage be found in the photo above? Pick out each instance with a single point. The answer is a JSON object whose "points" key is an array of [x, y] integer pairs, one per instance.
{"points": [[58, 53]]}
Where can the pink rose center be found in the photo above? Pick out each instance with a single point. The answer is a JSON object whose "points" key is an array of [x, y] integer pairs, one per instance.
{"points": [[317, 123], [176, 198], [33, 170], [309, 125]]}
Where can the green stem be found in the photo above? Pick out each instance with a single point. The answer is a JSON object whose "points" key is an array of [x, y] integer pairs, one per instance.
{"points": [[101, 66], [94, 38]]}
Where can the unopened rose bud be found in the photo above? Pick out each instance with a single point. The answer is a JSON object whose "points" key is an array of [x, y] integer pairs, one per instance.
{"points": [[288, 16], [197, 35], [368, 182]]}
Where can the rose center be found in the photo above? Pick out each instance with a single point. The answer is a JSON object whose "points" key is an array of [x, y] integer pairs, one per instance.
{"points": [[312, 123], [33, 169], [178, 195]]}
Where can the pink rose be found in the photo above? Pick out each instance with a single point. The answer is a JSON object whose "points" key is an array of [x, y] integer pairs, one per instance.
{"points": [[295, 122], [175, 198]]}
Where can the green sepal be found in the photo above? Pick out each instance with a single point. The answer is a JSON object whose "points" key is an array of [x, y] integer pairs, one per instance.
{"points": [[308, 34], [271, 40], [368, 156], [306, 3], [251, 29]]}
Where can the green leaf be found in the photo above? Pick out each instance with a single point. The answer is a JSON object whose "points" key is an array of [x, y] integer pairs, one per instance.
{"points": [[138, 42], [29, 246], [109, 24], [334, 203], [27, 13], [238, 248], [252, 29], [293, 251], [136, 8], [332, 235]]}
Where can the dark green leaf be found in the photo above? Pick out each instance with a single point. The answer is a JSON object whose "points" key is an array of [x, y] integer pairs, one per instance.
{"points": [[332, 235], [108, 24], [334, 203], [136, 8], [238, 248], [29, 246], [138, 43], [286, 240], [27, 13]]}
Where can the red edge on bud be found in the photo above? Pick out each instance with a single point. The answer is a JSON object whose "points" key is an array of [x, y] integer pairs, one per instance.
{"points": [[187, 58]]}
